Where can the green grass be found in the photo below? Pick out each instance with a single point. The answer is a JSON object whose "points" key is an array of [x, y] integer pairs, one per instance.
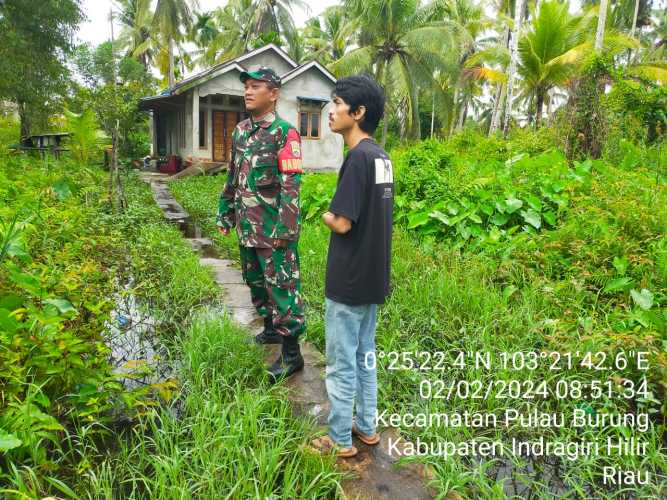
{"points": [[535, 292], [235, 436]]}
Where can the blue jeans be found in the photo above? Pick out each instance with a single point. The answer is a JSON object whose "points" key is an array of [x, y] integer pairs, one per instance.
{"points": [[351, 376]]}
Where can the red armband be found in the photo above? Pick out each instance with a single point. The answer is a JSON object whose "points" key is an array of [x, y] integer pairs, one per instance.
{"points": [[289, 157]]}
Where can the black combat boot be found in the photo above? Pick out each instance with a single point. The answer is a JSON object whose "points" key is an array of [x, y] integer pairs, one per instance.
{"points": [[289, 361], [268, 335]]}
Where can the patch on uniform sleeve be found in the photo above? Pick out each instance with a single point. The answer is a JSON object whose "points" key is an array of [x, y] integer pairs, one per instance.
{"points": [[289, 157]]}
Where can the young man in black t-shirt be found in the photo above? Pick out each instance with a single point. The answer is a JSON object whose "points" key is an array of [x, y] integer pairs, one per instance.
{"points": [[358, 265]]}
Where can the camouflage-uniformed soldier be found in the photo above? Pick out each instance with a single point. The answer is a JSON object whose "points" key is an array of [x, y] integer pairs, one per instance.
{"points": [[261, 198]]}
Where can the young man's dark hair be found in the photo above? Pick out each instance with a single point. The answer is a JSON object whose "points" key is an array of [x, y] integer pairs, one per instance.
{"points": [[362, 90]]}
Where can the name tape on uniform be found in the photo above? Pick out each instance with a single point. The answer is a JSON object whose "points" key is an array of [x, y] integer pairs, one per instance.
{"points": [[289, 158]]}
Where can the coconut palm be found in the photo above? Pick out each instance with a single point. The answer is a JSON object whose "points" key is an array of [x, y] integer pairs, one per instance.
{"points": [[135, 17], [274, 16], [546, 51], [327, 37], [233, 34], [467, 21], [602, 20], [403, 52], [171, 16], [511, 73]]}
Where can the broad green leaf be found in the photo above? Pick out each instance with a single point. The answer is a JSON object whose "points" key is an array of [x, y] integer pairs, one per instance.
{"points": [[508, 291], [514, 159], [621, 265], [499, 219], [532, 218], [417, 219], [513, 204], [26, 281], [64, 306], [452, 208], [11, 302], [495, 234], [501, 206], [62, 189], [643, 299], [7, 322], [534, 202], [463, 231], [8, 441], [486, 208], [617, 284], [475, 218], [549, 217], [438, 215], [557, 186]]}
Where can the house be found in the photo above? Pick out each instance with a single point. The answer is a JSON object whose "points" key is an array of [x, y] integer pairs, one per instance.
{"points": [[195, 118]]}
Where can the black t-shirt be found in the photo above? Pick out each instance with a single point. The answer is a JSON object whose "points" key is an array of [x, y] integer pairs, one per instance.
{"points": [[358, 263]]}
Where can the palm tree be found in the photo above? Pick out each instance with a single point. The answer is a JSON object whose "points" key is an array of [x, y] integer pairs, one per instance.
{"points": [[204, 29], [135, 37], [547, 52], [170, 16], [465, 18], [233, 34], [402, 52], [328, 36], [602, 18], [514, 49], [274, 16]]}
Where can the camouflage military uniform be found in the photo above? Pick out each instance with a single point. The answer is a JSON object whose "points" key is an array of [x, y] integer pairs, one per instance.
{"points": [[261, 198]]}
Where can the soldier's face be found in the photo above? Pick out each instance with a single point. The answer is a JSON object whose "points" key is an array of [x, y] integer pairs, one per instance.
{"points": [[340, 118], [259, 96]]}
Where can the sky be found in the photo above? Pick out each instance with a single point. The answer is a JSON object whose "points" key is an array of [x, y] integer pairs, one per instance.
{"points": [[97, 29]]}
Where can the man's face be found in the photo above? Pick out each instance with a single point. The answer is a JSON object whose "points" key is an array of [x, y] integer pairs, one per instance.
{"points": [[340, 118], [259, 95]]}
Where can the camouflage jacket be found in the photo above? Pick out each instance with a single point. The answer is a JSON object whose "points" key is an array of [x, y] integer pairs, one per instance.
{"points": [[261, 195]]}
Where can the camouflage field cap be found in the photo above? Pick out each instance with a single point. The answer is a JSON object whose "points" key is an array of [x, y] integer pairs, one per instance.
{"points": [[263, 74]]}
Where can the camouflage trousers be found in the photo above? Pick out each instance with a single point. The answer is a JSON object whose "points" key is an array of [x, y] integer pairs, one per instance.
{"points": [[275, 285]]}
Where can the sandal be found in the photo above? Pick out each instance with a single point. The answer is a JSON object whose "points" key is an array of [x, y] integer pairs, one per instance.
{"points": [[324, 446], [369, 440]]}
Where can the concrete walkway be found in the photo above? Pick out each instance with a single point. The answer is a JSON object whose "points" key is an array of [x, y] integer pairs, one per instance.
{"points": [[376, 475]]}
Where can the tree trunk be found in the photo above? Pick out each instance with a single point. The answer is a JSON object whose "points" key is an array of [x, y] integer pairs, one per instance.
{"points": [[432, 114], [415, 130], [25, 122], [634, 19], [171, 62], [380, 77], [385, 127], [462, 114], [514, 46], [537, 8], [452, 115], [539, 104], [602, 19], [497, 107]]}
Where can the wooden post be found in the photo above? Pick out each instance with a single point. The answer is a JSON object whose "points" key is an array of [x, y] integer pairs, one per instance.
{"points": [[195, 122]]}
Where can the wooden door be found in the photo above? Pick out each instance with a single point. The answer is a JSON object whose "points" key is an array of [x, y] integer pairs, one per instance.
{"points": [[231, 119], [218, 136], [224, 123]]}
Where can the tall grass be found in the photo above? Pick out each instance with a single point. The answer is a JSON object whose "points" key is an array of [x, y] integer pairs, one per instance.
{"points": [[228, 435]]}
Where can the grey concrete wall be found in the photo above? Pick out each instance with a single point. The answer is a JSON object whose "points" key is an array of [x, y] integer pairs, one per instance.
{"points": [[227, 83]]}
